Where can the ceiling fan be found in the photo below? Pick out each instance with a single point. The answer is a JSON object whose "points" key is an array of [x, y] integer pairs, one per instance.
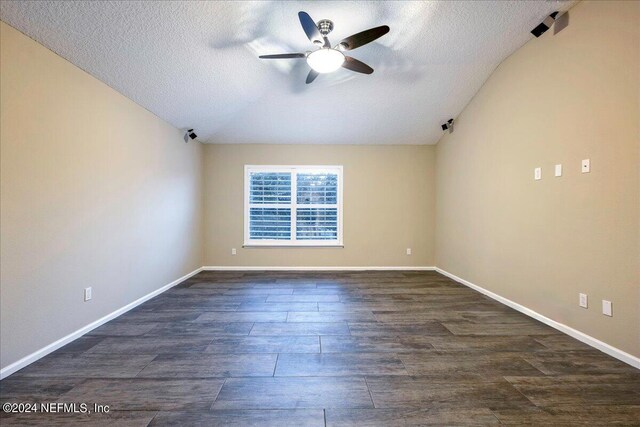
{"points": [[327, 59]]}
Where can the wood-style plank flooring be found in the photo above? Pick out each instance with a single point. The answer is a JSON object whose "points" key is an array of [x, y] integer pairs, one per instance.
{"points": [[337, 349]]}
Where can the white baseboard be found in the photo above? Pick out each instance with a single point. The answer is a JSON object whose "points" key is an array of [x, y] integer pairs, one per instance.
{"points": [[580, 336], [27, 360], [312, 268]]}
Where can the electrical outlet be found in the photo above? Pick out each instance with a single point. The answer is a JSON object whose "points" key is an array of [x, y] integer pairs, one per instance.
{"points": [[586, 166], [233, 251], [408, 251], [558, 170], [583, 301], [607, 308], [87, 294], [537, 174]]}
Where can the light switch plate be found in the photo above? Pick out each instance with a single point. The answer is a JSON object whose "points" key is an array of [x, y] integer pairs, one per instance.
{"points": [[558, 170], [583, 301], [586, 166], [607, 308], [537, 174]]}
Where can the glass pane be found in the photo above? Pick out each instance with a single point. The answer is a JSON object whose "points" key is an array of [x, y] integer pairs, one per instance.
{"points": [[317, 224], [270, 223], [270, 187], [317, 188]]}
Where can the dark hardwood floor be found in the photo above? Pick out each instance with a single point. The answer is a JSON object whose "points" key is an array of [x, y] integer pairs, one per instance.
{"points": [[315, 349]]}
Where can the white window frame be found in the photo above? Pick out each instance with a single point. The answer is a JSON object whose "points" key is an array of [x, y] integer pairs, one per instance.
{"points": [[293, 242]]}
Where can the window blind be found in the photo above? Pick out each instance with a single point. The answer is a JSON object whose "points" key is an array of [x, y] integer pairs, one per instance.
{"points": [[293, 205]]}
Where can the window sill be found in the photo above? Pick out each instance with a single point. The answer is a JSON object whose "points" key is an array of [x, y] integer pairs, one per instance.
{"points": [[290, 246]]}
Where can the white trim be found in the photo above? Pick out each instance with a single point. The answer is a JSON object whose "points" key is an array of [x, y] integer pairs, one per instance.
{"points": [[580, 336], [38, 354], [294, 209], [293, 242], [314, 268], [287, 168]]}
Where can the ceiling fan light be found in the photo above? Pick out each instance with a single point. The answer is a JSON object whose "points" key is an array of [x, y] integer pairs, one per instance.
{"points": [[325, 60]]}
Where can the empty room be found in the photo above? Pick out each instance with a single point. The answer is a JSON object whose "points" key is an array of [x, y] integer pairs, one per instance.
{"points": [[320, 213]]}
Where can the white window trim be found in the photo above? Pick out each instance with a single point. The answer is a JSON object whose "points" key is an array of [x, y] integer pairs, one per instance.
{"points": [[294, 203]]}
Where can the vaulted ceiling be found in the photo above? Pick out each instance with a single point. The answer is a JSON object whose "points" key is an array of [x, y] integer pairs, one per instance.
{"points": [[195, 64]]}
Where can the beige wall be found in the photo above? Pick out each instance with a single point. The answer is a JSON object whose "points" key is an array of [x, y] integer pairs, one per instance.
{"points": [[559, 99], [96, 191], [388, 204]]}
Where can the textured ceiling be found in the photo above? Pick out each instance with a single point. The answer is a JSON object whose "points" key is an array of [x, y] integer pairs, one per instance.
{"points": [[195, 64]]}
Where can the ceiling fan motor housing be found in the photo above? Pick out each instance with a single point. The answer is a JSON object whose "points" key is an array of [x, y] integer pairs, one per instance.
{"points": [[325, 26]]}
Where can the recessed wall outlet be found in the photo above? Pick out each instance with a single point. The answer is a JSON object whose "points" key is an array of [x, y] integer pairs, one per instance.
{"points": [[586, 166], [558, 170], [607, 308], [408, 251], [537, 174], [583, 301], [87, 294], [233, 251]]}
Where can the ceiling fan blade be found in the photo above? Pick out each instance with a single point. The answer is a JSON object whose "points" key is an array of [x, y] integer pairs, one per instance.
{"points": [[310, 28], [355, 65], [312, 76], [362, 38], [283, 56]]}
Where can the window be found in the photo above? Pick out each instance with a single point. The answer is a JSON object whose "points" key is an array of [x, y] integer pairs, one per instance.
{"points": [[293, 206]]}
